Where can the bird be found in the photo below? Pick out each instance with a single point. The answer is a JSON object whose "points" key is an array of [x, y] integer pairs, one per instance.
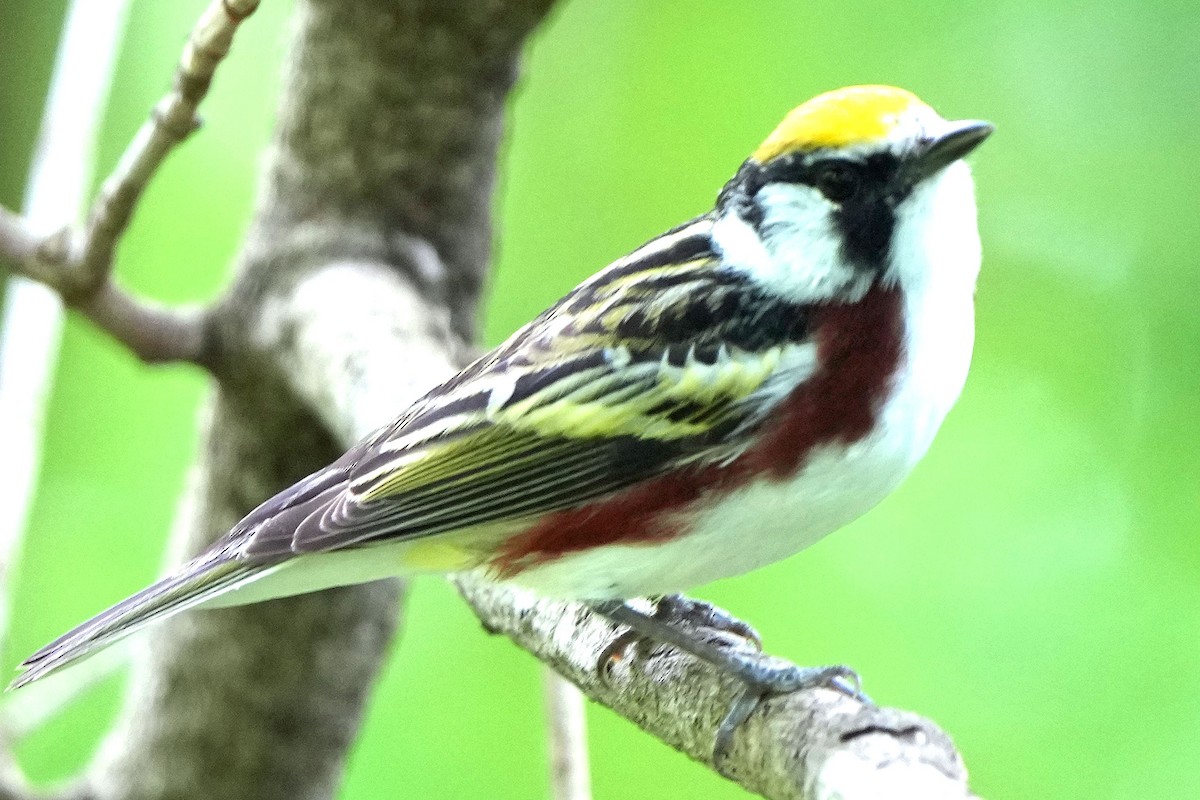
{"points": [[718, 399]]}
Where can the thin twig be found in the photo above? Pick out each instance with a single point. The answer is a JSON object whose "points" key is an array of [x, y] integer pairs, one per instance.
{"points": [[153, 333], [566, 727], [173, 120], [78, 264]]}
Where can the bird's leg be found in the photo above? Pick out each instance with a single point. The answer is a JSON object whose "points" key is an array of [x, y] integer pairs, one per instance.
{"points": [[761, 674], [704, 619], [680, 610], [714, 624]]}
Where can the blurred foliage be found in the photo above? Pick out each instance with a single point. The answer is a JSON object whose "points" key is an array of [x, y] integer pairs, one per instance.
{"points": [[1035, 587]]}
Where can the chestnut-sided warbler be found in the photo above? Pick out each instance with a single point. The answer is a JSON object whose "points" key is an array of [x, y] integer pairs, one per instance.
{"points": [[720, 398]]}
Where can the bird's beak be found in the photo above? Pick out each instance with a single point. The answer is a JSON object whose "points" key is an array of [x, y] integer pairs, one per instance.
{"points": [[940, 151]]}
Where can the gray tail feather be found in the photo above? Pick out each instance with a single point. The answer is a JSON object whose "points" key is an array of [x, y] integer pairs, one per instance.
{"points": [[194, 583]]}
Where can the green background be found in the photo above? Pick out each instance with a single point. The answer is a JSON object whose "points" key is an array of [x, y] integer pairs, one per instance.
{"points": [[1034, 587]]}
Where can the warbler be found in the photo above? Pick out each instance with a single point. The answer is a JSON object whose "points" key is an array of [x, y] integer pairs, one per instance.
{"points": [[720, 398]]}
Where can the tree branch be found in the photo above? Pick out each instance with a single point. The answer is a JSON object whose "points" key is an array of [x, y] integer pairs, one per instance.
{"points": [[814, 745], [258, 701], [151, 332], [78, 264]]}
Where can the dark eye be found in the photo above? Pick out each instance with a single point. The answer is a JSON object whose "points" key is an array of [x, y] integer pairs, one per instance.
{"points": [[837, 180]]}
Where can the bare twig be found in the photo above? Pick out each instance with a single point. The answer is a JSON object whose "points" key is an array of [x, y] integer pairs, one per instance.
{"points": [[78, 265], [566, 728], [153, 333], [172, 121]]}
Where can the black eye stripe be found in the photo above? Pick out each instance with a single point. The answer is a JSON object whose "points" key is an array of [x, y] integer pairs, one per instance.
{"points": [[866, 216], [807, 168], [838, 180], [793, 168]]}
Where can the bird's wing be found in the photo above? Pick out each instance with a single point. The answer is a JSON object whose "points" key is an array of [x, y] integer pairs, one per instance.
{"points": [[663, 359]]}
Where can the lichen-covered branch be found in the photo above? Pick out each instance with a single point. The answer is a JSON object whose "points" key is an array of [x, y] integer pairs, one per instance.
{"points": [[813, 745]]}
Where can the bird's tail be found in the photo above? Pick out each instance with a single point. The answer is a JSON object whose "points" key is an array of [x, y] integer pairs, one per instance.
{"points": [[193, 584]]}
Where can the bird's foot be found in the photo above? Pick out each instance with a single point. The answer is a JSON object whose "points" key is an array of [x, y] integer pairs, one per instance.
{"points": [[703, 620], [707, 620], [715, 636], [763, 675]]}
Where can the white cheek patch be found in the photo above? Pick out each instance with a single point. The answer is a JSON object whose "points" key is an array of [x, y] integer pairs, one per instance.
{"points": [[799, 255]]}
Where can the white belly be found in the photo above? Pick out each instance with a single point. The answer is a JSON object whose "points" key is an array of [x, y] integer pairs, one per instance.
{"points": [[755, 525]]}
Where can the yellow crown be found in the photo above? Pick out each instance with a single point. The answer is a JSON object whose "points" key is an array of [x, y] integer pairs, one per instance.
{"points": [[854, 115]]}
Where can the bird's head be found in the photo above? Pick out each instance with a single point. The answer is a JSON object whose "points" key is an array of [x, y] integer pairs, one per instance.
{"points": [[857, 184]]}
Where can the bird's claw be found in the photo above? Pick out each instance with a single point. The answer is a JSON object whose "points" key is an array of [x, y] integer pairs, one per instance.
{"points": [[761, 679]]}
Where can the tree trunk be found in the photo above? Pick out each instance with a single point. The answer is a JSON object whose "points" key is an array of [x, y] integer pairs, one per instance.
{"points": [[380, 173]]}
